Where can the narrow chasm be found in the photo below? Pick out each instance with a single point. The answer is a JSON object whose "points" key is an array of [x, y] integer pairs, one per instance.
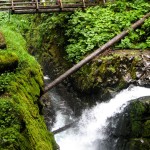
{"points": [[104, 105]]}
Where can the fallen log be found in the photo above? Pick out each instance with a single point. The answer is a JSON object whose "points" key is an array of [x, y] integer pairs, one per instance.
{"points": [[95, 53], [64, 128]]}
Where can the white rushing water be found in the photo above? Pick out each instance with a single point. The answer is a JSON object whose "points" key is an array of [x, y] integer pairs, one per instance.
{"points": [[93, 121]]}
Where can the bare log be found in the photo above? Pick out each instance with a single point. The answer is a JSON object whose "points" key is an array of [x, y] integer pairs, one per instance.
{"points": [[95, 53], [64, 128]]}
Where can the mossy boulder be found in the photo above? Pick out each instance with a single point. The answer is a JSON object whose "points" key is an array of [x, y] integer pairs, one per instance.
{"points": [[2, 41], [132, 126], [113, 71], [139, 112], [138, 144], [21, 82]]}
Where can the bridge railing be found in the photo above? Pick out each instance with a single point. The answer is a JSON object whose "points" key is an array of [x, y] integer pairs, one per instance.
{"points": [[5, 5], [45, 5]]}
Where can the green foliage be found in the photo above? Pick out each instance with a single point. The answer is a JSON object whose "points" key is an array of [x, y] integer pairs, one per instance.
{"points": [[46, 31], [19, 91], [18, 23], [91, 29], [9, 124], [8, 114]]}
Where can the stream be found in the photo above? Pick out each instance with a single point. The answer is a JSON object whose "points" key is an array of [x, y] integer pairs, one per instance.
{"points": [[89, 131]]}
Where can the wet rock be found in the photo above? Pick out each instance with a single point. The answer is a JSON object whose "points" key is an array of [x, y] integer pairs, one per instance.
{"points": [[114, 71], [130, 130], [138, 74], [48, 110], [127, 78], [131, 58], [99, 62]]}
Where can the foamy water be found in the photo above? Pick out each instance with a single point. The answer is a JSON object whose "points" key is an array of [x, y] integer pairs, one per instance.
{"points": [[93, 121]]}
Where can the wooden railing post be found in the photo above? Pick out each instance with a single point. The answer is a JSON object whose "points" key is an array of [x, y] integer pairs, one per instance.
{"points": [[37, 5], [12, 5], [83, 1], [61, 5]]}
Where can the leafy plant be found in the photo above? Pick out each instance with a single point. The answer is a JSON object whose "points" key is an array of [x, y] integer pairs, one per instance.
{"points": [[91, 29]]}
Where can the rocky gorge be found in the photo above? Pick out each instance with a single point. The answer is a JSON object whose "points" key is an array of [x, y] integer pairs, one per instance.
{"points": [[22, 124], [102, 79]]}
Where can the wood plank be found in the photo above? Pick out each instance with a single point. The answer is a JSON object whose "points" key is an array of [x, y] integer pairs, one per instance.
{"points": [[32, 11], [72, 5], [49, 7], [5, 8], [4, 4], [24, 3], [64, 6], [24, 7], [21, 0]]}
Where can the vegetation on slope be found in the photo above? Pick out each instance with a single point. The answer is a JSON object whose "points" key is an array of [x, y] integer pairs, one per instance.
{"points": [[21, 81], [77, 34], [91, 29]]}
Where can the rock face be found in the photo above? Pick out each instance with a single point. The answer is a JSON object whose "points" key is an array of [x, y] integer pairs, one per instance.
{"points": [[110, 73], [132, 126]]}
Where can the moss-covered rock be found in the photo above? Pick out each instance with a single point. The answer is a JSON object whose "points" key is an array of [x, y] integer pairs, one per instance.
{"points": [[139, 111], [146, 130], [113, 72], [21, 124], [133, 126], [138, 144]]}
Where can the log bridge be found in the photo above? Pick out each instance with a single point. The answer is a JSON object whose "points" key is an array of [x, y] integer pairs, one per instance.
{"points": [[44, 6]]}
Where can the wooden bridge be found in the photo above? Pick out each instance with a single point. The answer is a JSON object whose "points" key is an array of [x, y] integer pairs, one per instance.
{"points": [[44, 6]]}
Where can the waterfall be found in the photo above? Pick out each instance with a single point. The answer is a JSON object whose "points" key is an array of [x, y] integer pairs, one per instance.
{"points": [[93, 121]]}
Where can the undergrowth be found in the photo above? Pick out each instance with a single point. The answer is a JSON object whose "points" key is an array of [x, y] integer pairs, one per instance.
{"points": [[90, 29], [81, 32]]}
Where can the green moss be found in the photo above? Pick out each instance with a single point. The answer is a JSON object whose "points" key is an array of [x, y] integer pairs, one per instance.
{"points": [[146, 130], [116, 70], [8, 61], [133, 67], [9, 124], [19, 93], [139, 144], [136, 115]]}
